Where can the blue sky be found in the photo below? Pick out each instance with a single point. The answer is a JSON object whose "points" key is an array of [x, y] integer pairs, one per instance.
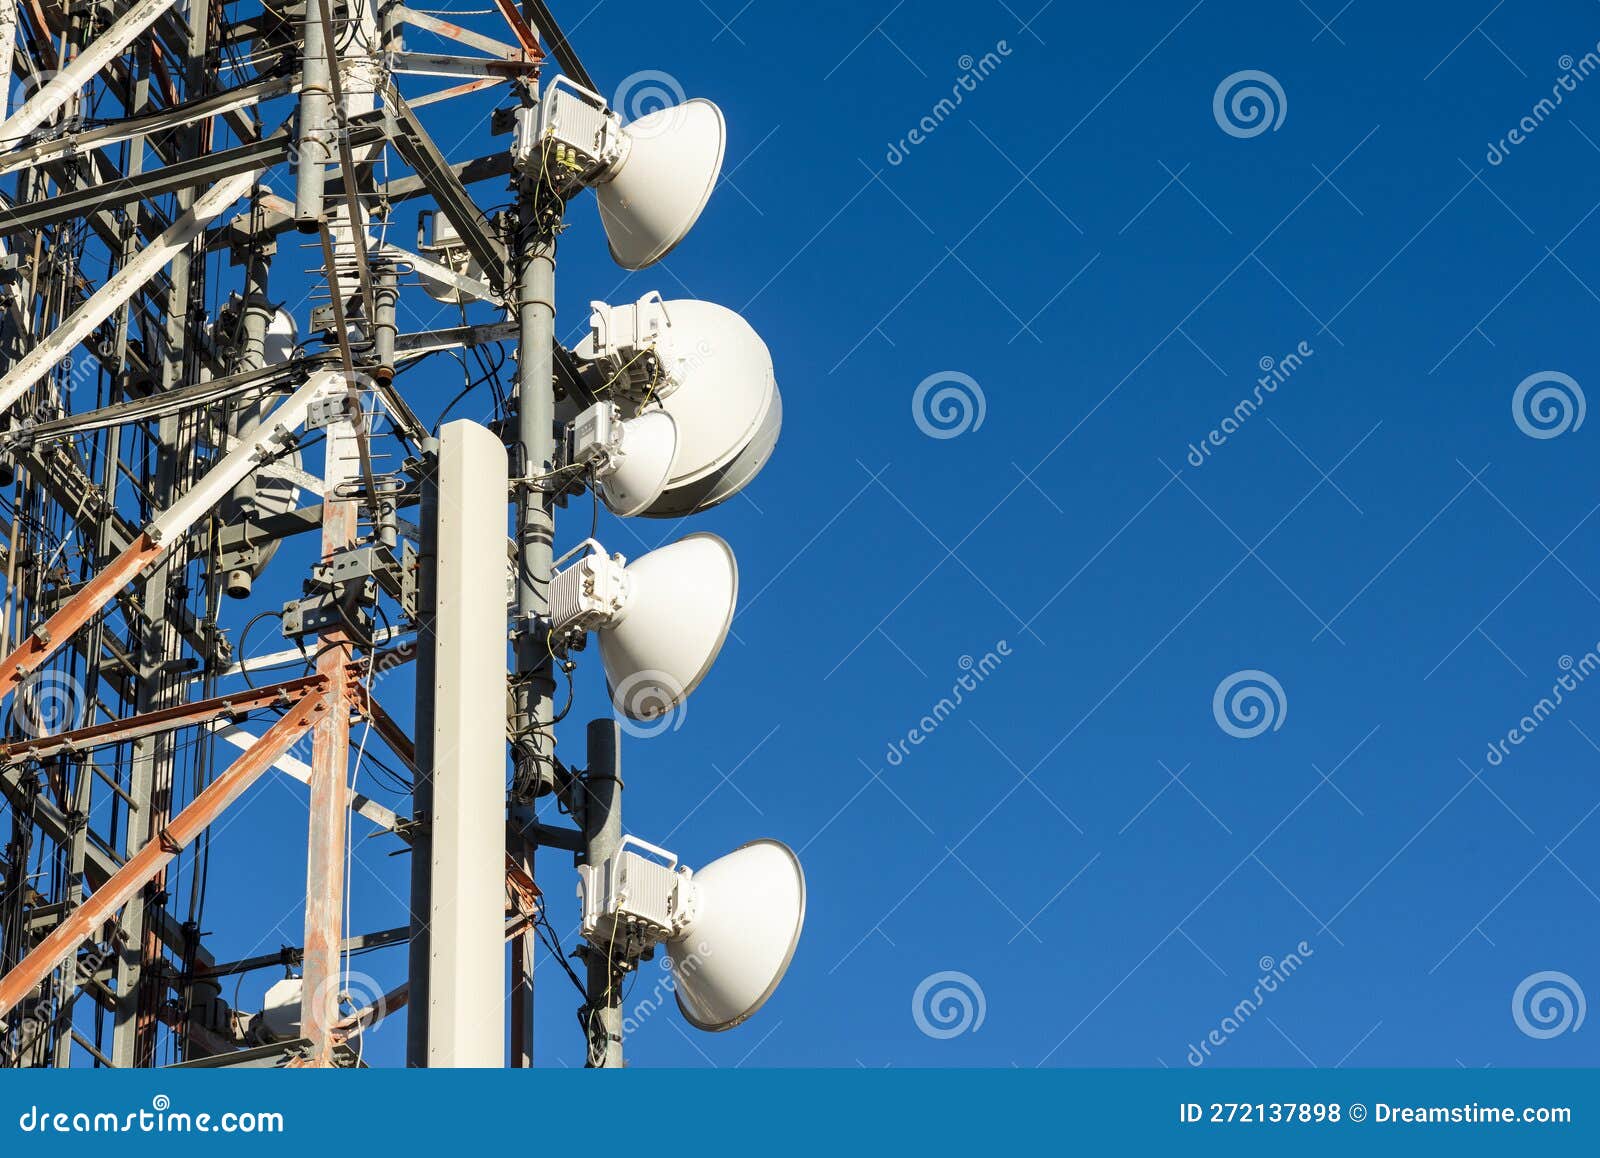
{"points": [[1109, 267]]}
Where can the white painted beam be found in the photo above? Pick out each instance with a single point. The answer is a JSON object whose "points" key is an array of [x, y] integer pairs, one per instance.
{"points": [[101, 51], [301, 771], [121, 286]]}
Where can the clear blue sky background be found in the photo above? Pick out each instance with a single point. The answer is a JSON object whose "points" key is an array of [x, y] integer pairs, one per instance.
{"points": [[1110, 267]]}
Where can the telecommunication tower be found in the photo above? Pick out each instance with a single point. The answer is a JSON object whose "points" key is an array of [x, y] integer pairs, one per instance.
{"points": [[228, 232]]}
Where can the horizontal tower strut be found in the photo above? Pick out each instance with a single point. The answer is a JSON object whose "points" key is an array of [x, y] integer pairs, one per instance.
{"points": [[160, 720]]}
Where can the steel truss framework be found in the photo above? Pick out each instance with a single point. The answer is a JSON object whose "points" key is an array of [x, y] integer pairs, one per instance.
{"points": [[157, 160]]}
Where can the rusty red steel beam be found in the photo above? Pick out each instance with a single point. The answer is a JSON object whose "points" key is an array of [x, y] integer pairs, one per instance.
{"points": [[330, 769], [393, 734], [181, 831], [50, 635], [445, 94], [390, 1002], [325, 883], [161, 720], [520, 887], [396, 999], [467, 36], [520, 29]]}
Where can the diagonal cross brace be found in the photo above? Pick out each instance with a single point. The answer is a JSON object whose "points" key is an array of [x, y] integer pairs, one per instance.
{"points": [[170, 526], [125, 883], [417, 147], [94, 56]]}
